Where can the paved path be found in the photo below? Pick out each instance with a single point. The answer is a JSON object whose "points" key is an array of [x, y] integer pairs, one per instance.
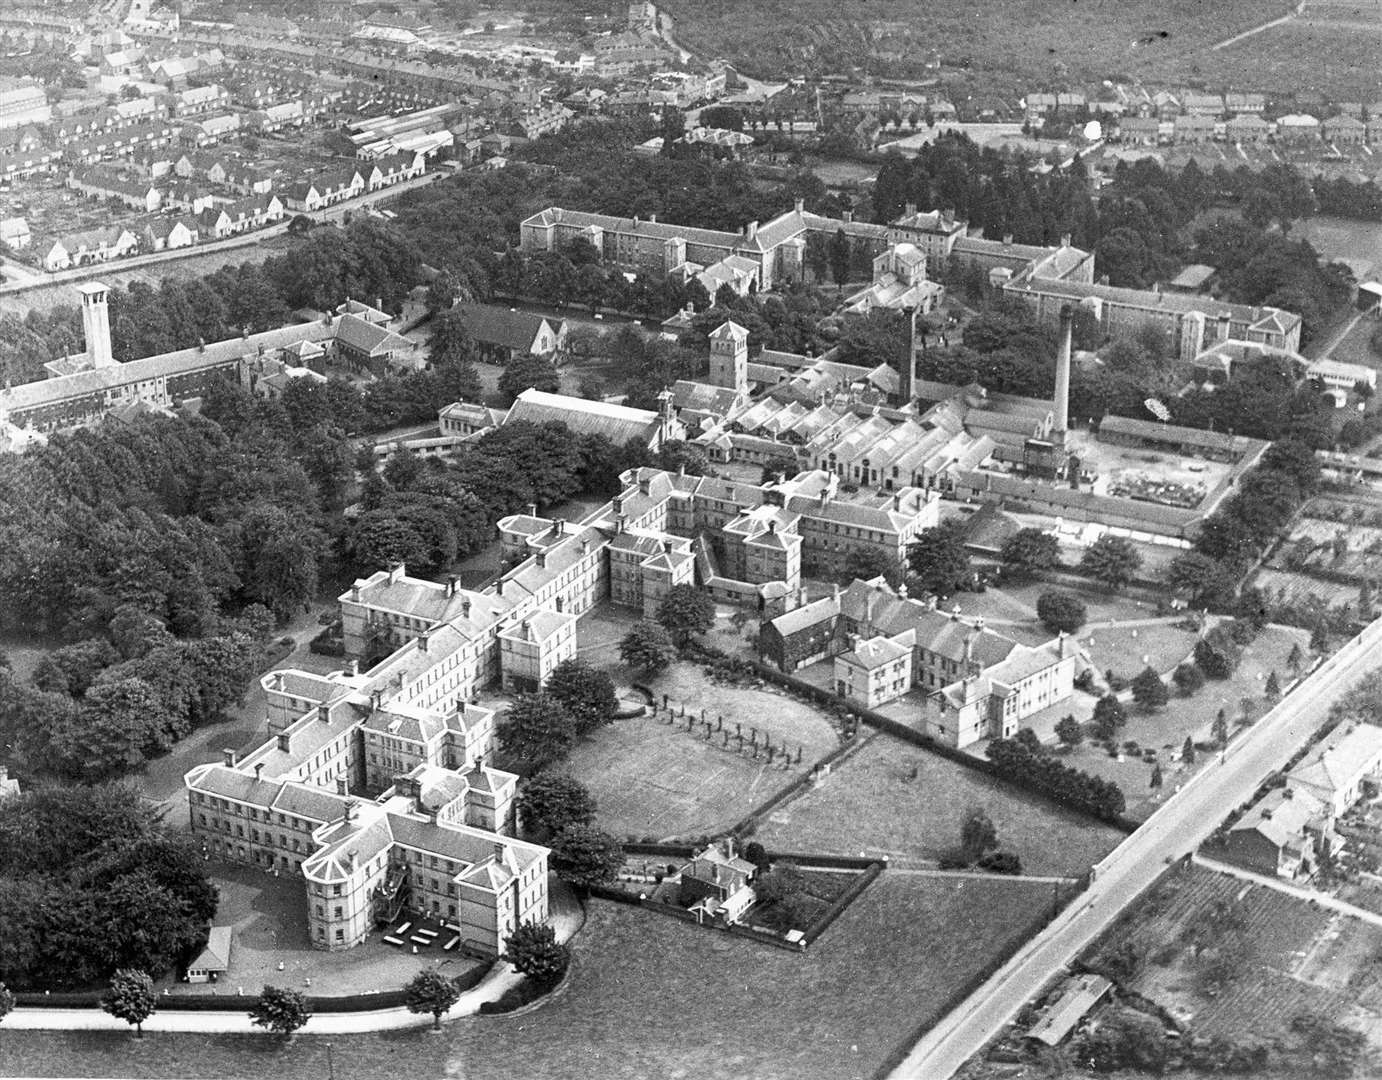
{"points": [[1299, 10], [1174, 831], [1333, 343], [1310, 896], [567, 917]]}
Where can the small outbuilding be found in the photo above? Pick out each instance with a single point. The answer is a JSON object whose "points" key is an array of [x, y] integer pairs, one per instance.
{"points": [[214, 960]]}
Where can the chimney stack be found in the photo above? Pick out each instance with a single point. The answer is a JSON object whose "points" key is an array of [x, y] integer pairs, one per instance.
{"points": [[910, 210], [1067, 325], [259, 771], [532, 509], [799, 205], [228, 757]]}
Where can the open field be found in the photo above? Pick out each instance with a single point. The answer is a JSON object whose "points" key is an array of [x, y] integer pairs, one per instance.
{"points": [[1359, 243], [1335, 58], [1301, 958], [1114, 38], [648, 997], [872, 802]]}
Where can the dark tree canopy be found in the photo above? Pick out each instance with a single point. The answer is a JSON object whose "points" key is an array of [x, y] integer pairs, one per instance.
{"points": [[585, 692], [685, 612], [938, 559], [1060, 612]]}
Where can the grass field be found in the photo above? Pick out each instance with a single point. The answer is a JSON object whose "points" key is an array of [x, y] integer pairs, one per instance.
{"points": [[871, 802], [649, 996], [1113, 38], [654, 779]]}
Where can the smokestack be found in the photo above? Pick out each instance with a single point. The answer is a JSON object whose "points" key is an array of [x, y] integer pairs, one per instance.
{"points": [[1067, 324], [907, 386]]}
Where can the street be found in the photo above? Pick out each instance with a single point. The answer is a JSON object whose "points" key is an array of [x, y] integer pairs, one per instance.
{"points": [[1174, 831]]}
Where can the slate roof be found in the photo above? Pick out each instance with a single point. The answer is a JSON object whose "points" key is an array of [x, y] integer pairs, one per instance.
{"points": [[490, 324], [618, 423], [1341, 760]]}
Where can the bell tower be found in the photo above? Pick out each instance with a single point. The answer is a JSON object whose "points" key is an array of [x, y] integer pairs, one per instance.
{"points": [[729, 357]]}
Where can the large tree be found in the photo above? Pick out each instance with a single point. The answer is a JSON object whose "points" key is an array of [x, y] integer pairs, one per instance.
{"points": [[1028, 552], [584, 855], [550, 802], [586, 693], [1060, 612], [686, 611], [1148, 690], [648, 647], [280, 1009], [977, 835], [536, 729], [1108, 717], [1112, 560], [534, 951], [938, 559], [131, 997], [430, 991]]}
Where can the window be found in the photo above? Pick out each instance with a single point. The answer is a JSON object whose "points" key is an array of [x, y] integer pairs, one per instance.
{"points": [[340, 936], [335, 890]]}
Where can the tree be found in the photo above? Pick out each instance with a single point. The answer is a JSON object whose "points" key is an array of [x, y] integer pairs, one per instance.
{"points": [[1273, 687], [1112, 560], [1221, 729], [6, 1001], [537, 729], [1187, 751], [1188, 678], [939, 560], [281, 1010], [585, 856], [1108, 717], [757, 854], [1148, 690], [1295, 658], [1156, 780], [648, 647], [550, 802], [1028, 552], [1060, 612], [131, 998], [586, 693], [686, 611], [867, 563], [839, 256], [534, 951], [430, 991], [527, 373], [1319, 639], [977, 835], [1069, 731]]}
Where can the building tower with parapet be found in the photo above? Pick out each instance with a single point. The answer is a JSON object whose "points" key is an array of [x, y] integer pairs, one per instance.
{"points": [[729, 357], [96, 324]]}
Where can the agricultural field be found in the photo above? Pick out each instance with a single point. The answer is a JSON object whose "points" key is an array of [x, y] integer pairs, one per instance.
{"points": [[1336, 57], [898, 800], [1030, 41], [1230, 958], [648, 995]]}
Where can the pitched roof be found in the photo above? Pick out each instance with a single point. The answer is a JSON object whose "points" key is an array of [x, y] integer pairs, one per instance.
{"points": [[1341, 760], [216, 955], [357, 333], [490, 324], [618, 423]]}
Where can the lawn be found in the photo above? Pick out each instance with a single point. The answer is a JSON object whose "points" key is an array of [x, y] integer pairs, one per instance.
{"points": [[894, 799], [1166, 729], [649, 996]]}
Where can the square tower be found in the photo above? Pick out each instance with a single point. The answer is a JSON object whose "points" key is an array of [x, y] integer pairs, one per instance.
{"points": [[729, 357], [96, 323]]}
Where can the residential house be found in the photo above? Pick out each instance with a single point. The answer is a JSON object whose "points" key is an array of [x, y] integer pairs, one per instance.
{"points": [[1345, 130], [1211, 105], [1284, 834], [375, 347], [211, 129], [1139, 130], [716, 883], [1297, 127], [133, 192], [1247, 128], [90, 246], [875, 670], [1345, 767], [162, 233], [199, 100], [1245, 104], [1193, 128]]}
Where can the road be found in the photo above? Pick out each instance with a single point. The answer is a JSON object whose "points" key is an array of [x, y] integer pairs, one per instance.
{"points": [[1174, 831]]}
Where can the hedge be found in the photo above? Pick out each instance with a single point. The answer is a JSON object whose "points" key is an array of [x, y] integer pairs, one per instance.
{"points": [[856, 887], [230, 1002]]}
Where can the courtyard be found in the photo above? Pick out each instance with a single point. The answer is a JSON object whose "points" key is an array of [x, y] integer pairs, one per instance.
{"points": [[270, 944], [1152, 475], [657, 780]]}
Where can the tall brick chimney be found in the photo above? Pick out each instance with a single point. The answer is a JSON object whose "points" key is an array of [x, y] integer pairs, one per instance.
{"points": [[1062, 403]]}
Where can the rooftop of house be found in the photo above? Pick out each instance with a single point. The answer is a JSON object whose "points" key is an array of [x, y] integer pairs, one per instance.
{"points": [[1282, 816], [1341, 760], [879, 651], [510, 328]]}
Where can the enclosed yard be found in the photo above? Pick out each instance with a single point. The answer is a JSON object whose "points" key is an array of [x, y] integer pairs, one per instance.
{"points": [[898, 800], [657, 780], [649, 996]]}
